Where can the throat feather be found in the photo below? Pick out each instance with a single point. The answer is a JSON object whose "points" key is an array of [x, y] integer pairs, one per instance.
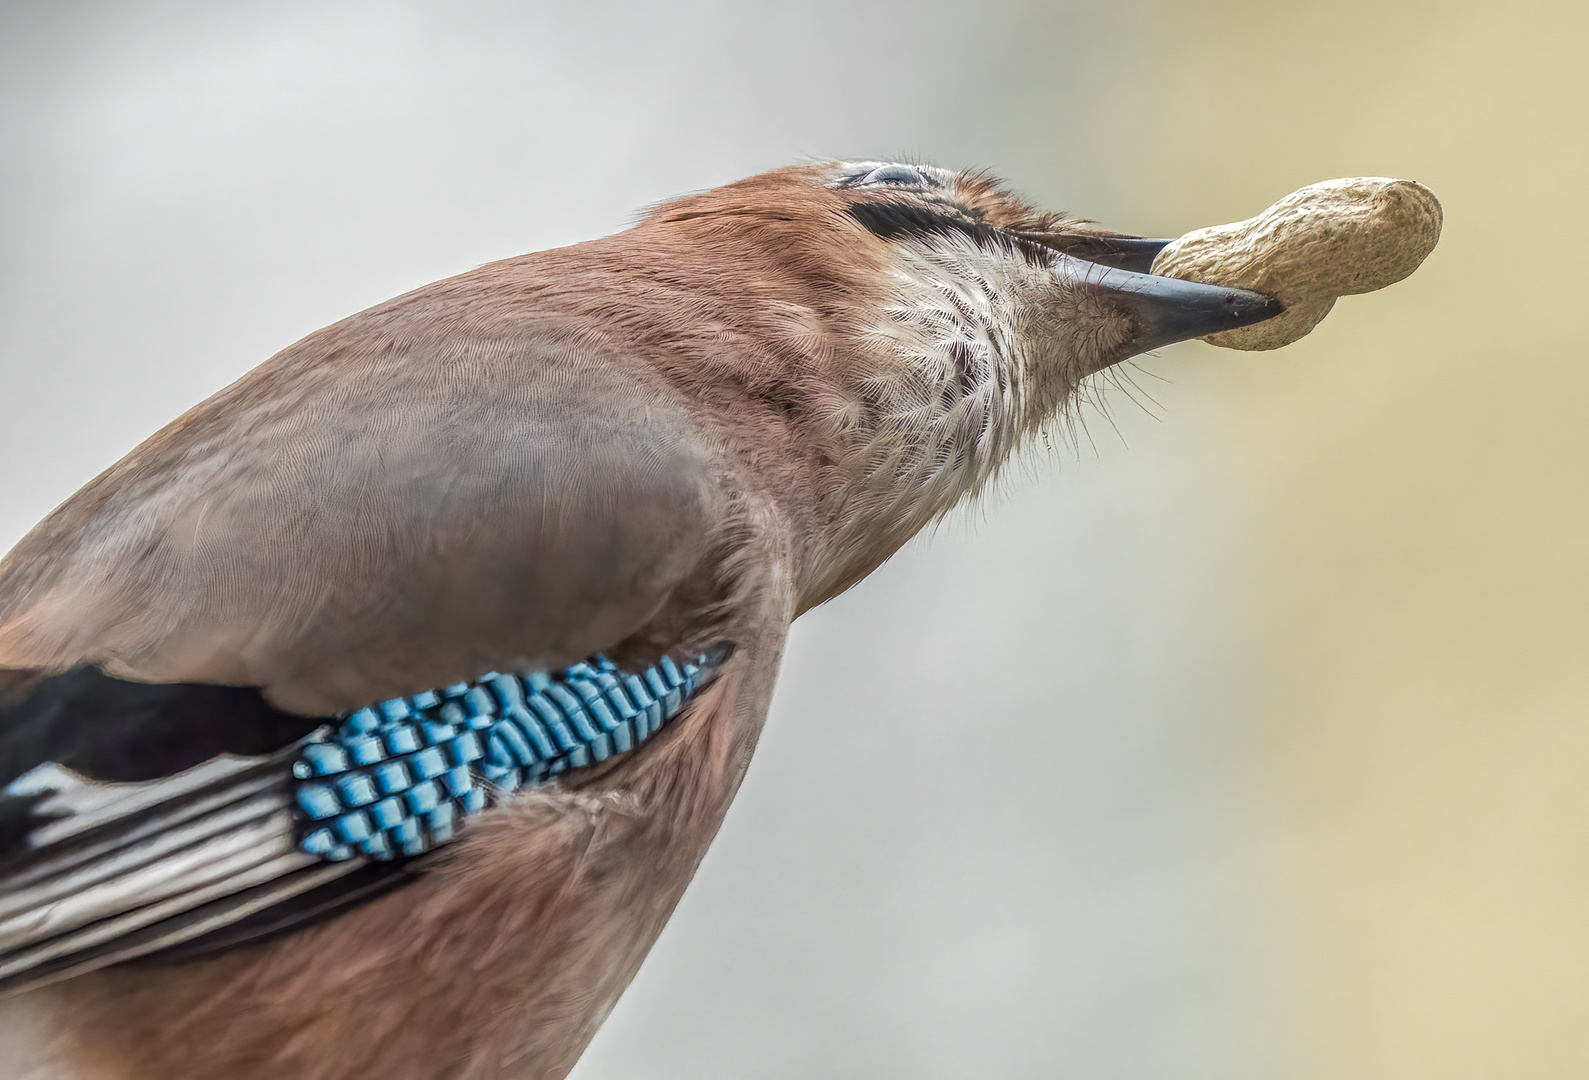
{"points": [[948, 398]]}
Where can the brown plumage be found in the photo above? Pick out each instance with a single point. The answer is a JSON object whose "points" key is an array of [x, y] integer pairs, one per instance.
{"points": [[680, 435]]}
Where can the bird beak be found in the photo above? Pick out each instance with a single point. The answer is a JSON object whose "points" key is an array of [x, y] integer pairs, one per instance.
{"points": [[1165, 310], [1104, 248]]}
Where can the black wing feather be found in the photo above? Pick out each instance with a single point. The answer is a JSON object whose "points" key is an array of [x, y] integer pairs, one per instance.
{"points": [[118, 730]]}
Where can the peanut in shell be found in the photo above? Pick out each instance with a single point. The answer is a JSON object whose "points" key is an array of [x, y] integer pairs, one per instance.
{"points": [[1327, 240]]}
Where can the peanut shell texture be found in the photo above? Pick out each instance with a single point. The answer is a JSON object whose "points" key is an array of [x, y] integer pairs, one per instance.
{"points": [[1327, 240]]}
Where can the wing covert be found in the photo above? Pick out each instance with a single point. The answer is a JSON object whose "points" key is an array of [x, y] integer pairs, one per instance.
{"points": [[373, 513]]}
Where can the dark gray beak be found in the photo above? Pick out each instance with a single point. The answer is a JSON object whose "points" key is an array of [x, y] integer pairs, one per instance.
{"points": [[1104, 248], [1164, 310], [1167, 310]]}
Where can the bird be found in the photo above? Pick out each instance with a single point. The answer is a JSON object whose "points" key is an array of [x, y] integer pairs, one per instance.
{"points": [[371, 718]]}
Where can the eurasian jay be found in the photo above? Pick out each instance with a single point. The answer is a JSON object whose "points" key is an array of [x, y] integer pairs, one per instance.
{"points": [[370, 719]]}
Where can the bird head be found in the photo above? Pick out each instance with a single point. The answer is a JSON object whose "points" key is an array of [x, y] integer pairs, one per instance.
{"points": [[896, 329]]}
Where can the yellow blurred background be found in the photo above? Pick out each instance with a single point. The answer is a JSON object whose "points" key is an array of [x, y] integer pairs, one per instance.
{"points": [[1410, 487], [1253, 742]]}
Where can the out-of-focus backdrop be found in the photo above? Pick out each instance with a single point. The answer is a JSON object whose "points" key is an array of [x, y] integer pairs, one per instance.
{"points": [[1243, 734]]}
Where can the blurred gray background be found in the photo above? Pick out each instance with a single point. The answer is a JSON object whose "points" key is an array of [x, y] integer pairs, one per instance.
{"points": [[988, 831]]}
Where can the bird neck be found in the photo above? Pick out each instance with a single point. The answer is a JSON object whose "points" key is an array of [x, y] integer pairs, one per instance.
{"points": [[867, 386]]}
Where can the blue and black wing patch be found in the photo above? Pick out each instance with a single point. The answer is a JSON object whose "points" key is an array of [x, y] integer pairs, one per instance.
{"points": [[393, 780], [207, 819]]}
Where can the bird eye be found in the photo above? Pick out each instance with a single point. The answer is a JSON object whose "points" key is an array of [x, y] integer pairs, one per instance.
{"points": [[893, 174]]}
